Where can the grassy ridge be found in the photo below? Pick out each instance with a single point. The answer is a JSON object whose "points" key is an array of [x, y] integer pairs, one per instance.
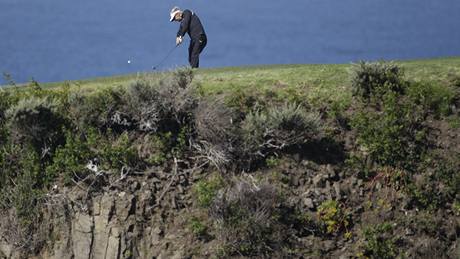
{"points": [[314, 84], [319, 76]]}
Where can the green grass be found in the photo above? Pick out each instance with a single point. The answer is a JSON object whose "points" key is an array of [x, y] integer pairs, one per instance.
{"points": [[313, 83]]}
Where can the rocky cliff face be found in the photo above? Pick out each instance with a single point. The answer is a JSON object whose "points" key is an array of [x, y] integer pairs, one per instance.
{"points": [[133, 217], [147, 216]]}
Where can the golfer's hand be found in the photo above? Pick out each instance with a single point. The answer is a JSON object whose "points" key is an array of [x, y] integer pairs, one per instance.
{"points": [[178, 40]]}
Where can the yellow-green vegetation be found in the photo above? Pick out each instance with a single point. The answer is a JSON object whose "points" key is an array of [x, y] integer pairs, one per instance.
{"points": [[197, 227], [206, 190], [334, 217]]}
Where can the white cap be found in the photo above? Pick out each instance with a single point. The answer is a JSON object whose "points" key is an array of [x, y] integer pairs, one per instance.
{"points": [[173, 13]]}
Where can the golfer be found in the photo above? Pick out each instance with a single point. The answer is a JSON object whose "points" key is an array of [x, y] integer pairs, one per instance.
{"points": [[191, 24]]}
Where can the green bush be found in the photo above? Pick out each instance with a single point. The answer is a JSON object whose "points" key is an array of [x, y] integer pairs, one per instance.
{"points": [[157, 149], [152, 149], [111, 152], [272, 161], [392, 136], [370, 79], [198, 227], [206, 190], [431, 97], [98, 109], [454, 80], [20, 182], [380, 242], [265, 133], [10, 158], [70, 160], [21, 197], [391, 124], [36, 121], [244, 101], [26, 194], [116, 152], [5, 103], [438, 185]]}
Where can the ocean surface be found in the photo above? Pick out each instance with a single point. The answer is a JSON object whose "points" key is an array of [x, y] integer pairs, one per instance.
{"points": [[55, 40]]}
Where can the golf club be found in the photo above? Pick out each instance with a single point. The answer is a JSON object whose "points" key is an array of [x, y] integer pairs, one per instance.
{"points": [[164, 59]]}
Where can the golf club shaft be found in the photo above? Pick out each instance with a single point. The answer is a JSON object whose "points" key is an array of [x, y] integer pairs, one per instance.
{"points": [[166, 57]]}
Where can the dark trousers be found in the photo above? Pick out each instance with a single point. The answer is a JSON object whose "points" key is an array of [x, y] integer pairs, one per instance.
{"points": [[194, 50]]}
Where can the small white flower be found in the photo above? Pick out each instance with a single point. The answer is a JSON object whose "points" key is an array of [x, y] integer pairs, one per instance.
{"points": [[92, 167]]}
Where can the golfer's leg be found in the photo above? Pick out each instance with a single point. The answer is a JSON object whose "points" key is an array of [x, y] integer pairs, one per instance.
{"points": [[203, 42], [195, 55], [190, 49]]}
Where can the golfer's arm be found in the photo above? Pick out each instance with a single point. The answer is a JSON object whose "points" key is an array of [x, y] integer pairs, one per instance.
{"points": [[184, 24]]}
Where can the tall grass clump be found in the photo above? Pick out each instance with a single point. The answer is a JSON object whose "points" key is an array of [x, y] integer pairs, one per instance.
{"points": [[265, 133], [247, 219], [215, 126]]}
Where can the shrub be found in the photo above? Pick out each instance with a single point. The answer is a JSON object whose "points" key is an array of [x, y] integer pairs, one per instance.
{"points": [[215, 133], [10, 158], [431, 97], [214, 122], [36, 121], [117, 152], [111, 152], [206, 190], [20, 183], [454, 80], [334, 217], [264, 133], [456, 208], [98, 110], [218, 155], [198, 227], [244, 101], [379, 242], [178, 97], [5, 103], [143, 105], [438, 185], [166, 105], [152, 148], [272, 161], [248, 219], [26, 194], [393, 136], [70, 160], [21, 199], [376, 78]]}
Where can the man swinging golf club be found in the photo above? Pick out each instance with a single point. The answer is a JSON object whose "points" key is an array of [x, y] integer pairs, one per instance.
{"points": [[191, 24]]}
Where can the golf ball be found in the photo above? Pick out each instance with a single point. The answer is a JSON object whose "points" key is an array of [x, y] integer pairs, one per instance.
{"points": [[129, 61]]}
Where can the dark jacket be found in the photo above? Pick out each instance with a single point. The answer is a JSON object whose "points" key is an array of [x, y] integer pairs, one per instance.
{"points": [[190, 24]]}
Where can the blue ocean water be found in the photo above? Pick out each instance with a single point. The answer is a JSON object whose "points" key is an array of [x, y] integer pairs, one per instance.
{"points": [[54, 40]]}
